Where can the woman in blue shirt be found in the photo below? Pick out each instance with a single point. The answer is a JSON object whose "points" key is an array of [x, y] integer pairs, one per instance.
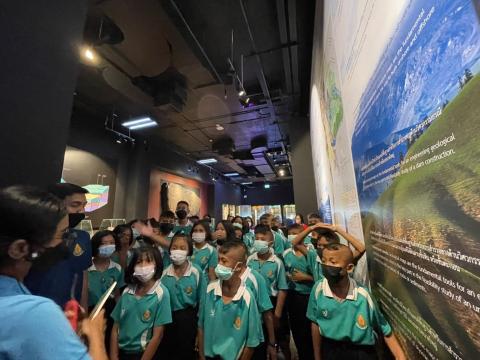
{"points": [[32, 225]]}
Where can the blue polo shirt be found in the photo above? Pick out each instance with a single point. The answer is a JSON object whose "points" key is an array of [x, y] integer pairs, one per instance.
{"points": [[34, 327], [56, 283]]}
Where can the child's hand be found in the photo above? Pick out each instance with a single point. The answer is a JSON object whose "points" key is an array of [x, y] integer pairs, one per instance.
{"points": [[94, 327], [299, 276], [144, 230]]}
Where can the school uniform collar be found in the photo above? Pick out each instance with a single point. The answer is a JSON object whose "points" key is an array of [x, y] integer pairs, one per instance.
{"points": [[111, 265], [189, 223], [10, 286], [206, 245], [218, 290], [271, 258], [352, 290], [170, 271], [131, 288], [245, 275]]}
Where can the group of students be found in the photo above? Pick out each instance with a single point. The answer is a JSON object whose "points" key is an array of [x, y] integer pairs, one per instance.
{"points": [[187, 289]]}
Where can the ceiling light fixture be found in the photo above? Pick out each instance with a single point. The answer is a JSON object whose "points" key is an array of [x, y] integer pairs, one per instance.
{"points": [[207, 161], [266, 186], [232, 174], [281, 172], [247, 183], [140, 123], [219, 127], [242, 93], [89, 54]]}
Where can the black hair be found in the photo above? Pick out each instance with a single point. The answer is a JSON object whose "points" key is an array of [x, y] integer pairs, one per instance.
{"points": [[301, 217], [237, 217], [206, 226], [233, 244], [229, 229], [187, 238], [207, 215], [119, 229], [331, 236], [263, 229], [183, 202], [314, 216], [97, 240], [168, 214], [152, 253], [265, 216], [154, 223], [62, 190], [28, 213], [295, 226]]}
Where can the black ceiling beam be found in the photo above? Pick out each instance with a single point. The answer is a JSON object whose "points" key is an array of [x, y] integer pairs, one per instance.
{"points": [[292, 26], [282, 26]]}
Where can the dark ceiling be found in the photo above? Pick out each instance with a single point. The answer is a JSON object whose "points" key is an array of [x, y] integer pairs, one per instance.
{"points": [[146, 48]]}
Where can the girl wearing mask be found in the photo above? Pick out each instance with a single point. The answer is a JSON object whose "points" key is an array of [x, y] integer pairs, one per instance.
{"points": [[224, 231], [143, 310], [103, 273], [204, 255], [123, 254], [238, 227], [186, 284]]}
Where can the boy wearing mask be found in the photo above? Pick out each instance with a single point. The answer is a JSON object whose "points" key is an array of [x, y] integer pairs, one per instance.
{"points": [[278, 242], [183, 224], [229, 324], [344, 316]]}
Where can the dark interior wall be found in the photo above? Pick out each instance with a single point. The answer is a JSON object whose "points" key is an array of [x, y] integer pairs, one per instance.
{"points": [[302, 166], [40, 43], [280, 193], [225, 194]]}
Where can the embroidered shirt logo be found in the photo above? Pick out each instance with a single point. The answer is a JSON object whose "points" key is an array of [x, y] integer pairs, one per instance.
{"points": [[361, 323], [78, 250], [237, 323]]}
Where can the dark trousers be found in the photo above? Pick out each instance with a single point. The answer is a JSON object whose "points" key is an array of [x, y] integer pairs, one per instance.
{"points": [[260, 352], [179, 339], [333, 350], [299, 324], [129, 356]]}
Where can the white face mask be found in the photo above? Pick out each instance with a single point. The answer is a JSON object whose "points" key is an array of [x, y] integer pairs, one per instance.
{"points": [[198, 237], [178, 257], [144, 273]]}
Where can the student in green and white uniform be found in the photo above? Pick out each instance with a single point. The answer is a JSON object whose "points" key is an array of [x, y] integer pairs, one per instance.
{"points": [[324, 234], [183, 224], [300, 282], [204, 255], [186, 284], [344, 316], [143, 310], [123, 255], [278, 243], [229, 324], [266, 263], [103, 273]]}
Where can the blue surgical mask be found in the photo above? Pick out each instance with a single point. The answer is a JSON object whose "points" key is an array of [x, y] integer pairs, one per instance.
{"points": [[224, 272], [261, 246], [106, 251], [291, 237]]}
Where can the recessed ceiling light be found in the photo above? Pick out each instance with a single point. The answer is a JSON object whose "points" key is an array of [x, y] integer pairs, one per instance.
{"points": [[242, 93], [89, 54], [211, 140], [266, 186], [219, 127], [281, 172], [231, 174], [140, 123], [207, 161]]}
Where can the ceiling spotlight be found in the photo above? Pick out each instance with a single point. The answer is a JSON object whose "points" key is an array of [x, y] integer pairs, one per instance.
{"points": [[210, 140], [242, 93], [118, 141], [89, 54], [219, 127], [281, 172], [266, 186]]}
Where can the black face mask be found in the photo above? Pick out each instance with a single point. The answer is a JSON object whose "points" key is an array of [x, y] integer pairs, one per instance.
{"points": [[181, 214], [275, 228], [333, 274], [220, 242], [74, 219], [50, 257], [166, 228]]}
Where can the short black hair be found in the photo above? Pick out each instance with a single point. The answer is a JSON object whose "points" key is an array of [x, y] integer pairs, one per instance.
{"points": [[119, 229], [331, 236], [194, 217], [183, 202], [263, 229], [62, 190], [206, 226], [168, 214], [314, 216], [97, 240], [28, 213], [295, 227], [237, 217], [152, 253], [187, 238], [265, 216], [233, 244], [154, 223]]}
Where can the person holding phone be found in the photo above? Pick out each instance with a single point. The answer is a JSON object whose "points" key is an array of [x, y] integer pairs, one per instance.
{"points": [[32, 227]]}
